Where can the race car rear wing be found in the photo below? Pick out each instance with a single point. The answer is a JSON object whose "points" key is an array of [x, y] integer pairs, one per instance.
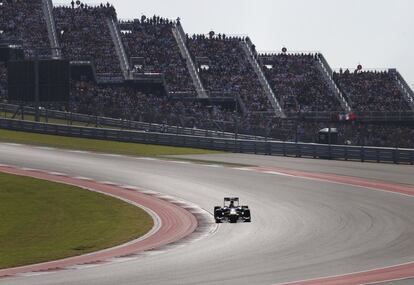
{"points": [[229, 199]]}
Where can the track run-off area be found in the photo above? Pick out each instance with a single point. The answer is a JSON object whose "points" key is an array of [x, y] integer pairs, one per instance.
{"points": [[327, 222]]}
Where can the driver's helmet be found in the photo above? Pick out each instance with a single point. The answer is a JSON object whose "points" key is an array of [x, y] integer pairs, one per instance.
{"points": [[231, 204]]}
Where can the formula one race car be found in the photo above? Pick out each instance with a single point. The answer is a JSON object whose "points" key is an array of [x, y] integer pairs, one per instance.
{"points": [[232, 212]]}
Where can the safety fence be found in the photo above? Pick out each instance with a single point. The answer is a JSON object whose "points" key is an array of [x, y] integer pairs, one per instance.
{"points": [[338, 152], [70, 117]]}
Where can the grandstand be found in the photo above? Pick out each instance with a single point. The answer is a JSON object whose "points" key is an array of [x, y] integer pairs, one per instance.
{"points": [[150, 43], [362, 87], [29, 32], [84, 36], [298, 81], [213, 81], [223, 68]]}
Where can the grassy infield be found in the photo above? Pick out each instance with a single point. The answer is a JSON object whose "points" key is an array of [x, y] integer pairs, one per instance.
{"points": [[42, 221]]}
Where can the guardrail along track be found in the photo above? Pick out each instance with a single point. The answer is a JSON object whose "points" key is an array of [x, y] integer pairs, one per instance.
{"points": [[339, 152]]}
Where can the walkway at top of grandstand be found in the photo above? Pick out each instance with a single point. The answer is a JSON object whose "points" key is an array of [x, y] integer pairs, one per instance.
{"points": [[154, 20]]}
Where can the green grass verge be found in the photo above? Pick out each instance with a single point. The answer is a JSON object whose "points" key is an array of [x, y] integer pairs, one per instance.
{"points": [[96, 145], [43, 221]]}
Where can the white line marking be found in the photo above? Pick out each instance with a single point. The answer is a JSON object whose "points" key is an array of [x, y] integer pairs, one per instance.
{"points": [[83, 178], [166, 197], [29, 274], [78, 151], [179, 162], [129, 187], [277, 173], [108, 183], [242, 168], [346, 274], [146, 158], [14, 144], [45, 148], [110, 154], [57, 173], [27, 169], [154, 252], [336, 182]]}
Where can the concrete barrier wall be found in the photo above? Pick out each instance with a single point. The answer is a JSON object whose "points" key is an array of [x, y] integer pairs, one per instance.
{"points": [[338, 152]]}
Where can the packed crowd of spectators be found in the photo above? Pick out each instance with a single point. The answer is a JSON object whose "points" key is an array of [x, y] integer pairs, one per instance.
{"points": [[3, 82], [23, 22], [84, 35], [298, 82], [368, 91], [382, 135], [223, 67], [357, 134], [151, 42], [126, 102]]}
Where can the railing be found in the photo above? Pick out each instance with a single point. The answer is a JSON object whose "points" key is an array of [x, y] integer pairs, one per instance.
{"points": [[406, 90], [179, 35], [296, 52], [247, 47], [212, 95], [360, 116], [122, 124], [119, 47], [50, 20], [329, 76], [401, 83], [373, 154], [364, 69], [91, 4], [323, 67]]}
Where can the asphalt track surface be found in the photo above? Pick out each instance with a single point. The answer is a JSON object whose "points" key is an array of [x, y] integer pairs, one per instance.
{"points": [[301, 228]]}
